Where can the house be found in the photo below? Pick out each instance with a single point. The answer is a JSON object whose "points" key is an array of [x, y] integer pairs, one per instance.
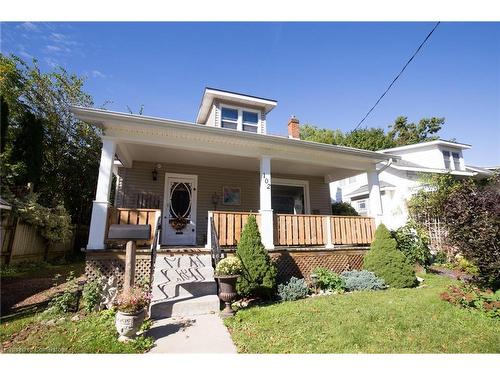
{"points": [[205, 177], [403, 177]]}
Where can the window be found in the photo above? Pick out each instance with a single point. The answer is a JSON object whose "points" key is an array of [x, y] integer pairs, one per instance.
{"points": [[362, 206], [456, 160], [290, 196], [229, 118], [446, 156], [250, 121]]}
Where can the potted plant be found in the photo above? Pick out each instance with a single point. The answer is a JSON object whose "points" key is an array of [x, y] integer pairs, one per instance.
{"points": [[130, 312], [227, 272]]}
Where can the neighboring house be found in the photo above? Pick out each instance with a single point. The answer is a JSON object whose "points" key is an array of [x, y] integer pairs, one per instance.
{"points": [[402, 178]]}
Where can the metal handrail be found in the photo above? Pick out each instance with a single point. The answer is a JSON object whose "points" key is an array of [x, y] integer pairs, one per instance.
{"points": [[215, 251], [153, 251]]}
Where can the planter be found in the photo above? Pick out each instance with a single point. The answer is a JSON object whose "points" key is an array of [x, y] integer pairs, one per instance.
{"points": [[227, 292], [128, 324]]}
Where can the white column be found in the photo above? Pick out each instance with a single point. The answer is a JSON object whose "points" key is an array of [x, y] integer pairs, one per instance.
{"points": [[375, 205], [208, 245], [328, 231], [100, 205], [266, 211]]}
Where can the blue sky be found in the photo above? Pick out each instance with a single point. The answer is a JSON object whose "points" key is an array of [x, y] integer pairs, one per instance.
{"points": [[326, 74]]}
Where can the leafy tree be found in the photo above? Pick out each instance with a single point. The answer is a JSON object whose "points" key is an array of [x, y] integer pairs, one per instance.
{"points": [[343, 209], [472, 217], [387, 262], [400, 133], [43, 143], [414, 242], [258, 277]]}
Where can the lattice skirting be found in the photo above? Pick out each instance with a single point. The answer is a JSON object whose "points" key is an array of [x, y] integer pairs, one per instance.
{"points": [[113, 263], [289, 263], [301, 264]]}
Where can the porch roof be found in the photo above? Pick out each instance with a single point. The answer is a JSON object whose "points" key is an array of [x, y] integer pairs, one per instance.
{"points": [[129, 129]]}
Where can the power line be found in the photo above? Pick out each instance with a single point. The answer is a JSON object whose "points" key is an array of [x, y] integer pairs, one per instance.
{"points": [[399, 74]]}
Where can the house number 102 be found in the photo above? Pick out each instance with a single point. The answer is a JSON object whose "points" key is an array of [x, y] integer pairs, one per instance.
{"points": [[266, 181]]}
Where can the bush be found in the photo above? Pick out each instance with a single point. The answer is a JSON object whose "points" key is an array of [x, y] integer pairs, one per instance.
{"points": [[468, 296], [92, 295], [258, 276], [362, 280], [466, 266], [414, 242], [472, 216], [344, 209], [387, 262], [68, 299], [329, 280], [293, 290], [228, 266], [440, 258]]}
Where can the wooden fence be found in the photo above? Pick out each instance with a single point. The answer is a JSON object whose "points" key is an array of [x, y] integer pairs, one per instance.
{"points": [[21, 242], [299, 230], [229, 226], [133, 216]]}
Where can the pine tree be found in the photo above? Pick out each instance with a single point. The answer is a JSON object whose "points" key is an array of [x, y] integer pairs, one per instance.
{"points": [[258, 277], [387, 262]]}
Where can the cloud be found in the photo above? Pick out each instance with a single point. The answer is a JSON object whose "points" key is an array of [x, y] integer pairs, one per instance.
{"points": [[21, 51], [51, 62], [98, 74], [29, 26]]}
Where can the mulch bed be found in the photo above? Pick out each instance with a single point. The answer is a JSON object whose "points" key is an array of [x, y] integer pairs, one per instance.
{"points": [[454, 274]]}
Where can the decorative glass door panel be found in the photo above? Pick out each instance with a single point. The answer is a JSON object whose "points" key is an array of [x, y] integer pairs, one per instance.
{"points": [[179, 213]]}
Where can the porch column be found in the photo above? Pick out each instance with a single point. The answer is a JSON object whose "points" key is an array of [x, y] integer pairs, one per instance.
{"points": [[375, 205], [100, 205], [266, 211]]}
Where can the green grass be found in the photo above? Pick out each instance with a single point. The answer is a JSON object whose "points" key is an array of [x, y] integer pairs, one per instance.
{"points": [[94, 333], [41, 269], [390, 321]]}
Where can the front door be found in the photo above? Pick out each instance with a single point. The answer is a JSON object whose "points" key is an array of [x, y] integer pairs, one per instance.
{"points": [[179, 209]]}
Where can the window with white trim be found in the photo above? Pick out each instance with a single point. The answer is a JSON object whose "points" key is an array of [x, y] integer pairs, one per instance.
{"points": [[229, 118], [447, 161], [456, 160], [250, 122]]}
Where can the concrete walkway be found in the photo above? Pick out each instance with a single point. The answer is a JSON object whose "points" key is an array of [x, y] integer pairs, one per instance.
{"points": [[194, 334]]}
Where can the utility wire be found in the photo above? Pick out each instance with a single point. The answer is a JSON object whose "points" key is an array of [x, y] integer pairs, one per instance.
{"points": [[399, 74]]}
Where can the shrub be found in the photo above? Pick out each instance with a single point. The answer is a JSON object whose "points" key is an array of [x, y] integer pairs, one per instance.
{"points": [[68, 299], [387, 262], [92, 295], [258, 276], [344, 209], [228, 266], [440, 258], [468, 296], [293, 290], [362, 280], [472, 216], [328, 280], [466, 266], [414, 242]]}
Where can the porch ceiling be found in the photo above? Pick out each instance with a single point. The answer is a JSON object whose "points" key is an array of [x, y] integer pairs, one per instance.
{"points": [[157, 154]]}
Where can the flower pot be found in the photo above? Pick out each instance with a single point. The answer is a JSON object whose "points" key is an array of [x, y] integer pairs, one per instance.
{"points": [[227, 292], [128, 324]]}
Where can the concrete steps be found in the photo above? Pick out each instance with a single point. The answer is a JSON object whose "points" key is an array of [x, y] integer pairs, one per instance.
{"points": [[183, 285]]}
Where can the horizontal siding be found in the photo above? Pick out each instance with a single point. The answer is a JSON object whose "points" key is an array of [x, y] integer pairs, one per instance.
{"points": [[138, 180]]}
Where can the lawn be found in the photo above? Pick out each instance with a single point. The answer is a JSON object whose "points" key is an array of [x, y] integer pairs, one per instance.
{"points": [[93, 333], [390, 321]]}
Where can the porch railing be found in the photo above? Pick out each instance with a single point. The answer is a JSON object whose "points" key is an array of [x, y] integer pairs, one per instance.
{"points": [[134, 216], [229, 225], [352, 230], [300, 229]]}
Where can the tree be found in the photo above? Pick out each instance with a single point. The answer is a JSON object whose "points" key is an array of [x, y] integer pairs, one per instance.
{"points": [[387, 262], [343, 209], [258, 277], [65, 158], [400, 133], [472, 218]]}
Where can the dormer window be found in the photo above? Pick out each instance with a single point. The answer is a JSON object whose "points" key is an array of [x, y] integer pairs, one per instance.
{"points": [[240, 119], [456, 160], [250, 121], [229, 118], [446, 157]]}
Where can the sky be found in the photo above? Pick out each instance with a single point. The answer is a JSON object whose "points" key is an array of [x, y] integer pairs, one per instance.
{"points": [[326, 74]]}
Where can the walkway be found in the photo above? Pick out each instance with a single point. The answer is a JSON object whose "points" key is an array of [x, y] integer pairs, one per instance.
{"points": [[195, 334]]}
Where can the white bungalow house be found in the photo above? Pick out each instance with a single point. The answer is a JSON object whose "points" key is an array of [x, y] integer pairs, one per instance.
{"points": [[205, 177], [402, 178]]}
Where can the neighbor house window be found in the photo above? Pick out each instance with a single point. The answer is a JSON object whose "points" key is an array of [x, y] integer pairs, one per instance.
{"points": [[456, 160], [250, 121], [446, 157], [229, 118]]}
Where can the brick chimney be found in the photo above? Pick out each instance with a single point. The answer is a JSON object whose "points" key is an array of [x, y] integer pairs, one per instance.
{"points": [[293, 128]]}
